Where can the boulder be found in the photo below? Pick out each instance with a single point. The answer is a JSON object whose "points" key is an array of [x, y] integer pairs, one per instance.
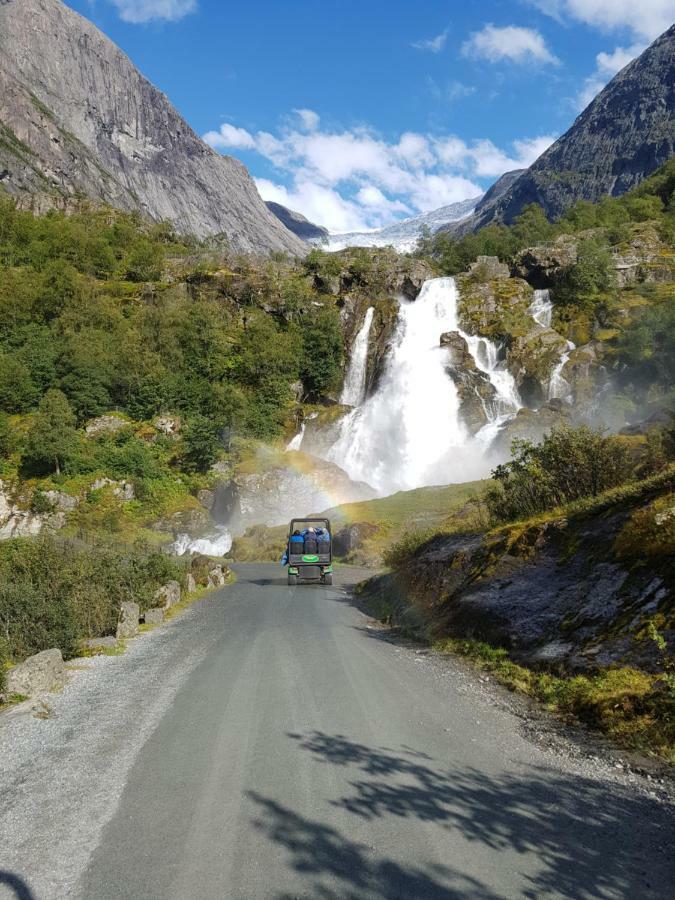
{"points": [[43, 672], [104, 425], [130, 614], [542, 264], [122, 489], [351, 537], [168, 425], [154, 616], [102, 643], [168, 595], [216, 577], [61, 501], [476, 393], [206, 498], [191, 584], [487, 267]]}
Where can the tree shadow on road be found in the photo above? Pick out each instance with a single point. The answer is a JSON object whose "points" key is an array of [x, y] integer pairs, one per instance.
{"points": [[17, 886], [590, 839]]}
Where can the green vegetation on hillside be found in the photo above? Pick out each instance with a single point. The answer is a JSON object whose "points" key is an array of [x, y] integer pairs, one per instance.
{"points": [[55, 594], [652, 201]]}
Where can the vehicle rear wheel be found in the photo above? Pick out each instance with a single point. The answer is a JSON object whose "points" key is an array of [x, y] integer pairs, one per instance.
{"points": [[328, 578], [292, 580]]}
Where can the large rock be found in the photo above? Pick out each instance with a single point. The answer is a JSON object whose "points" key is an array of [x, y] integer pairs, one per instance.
{"points": [[16, 521], [61, 501], [154, 616], [351, 538], [104, 425], [191, 585], [168, 595], [43, 672], [474, 388], [542, 265], [216, 577], [81, 120], [128, 625]]}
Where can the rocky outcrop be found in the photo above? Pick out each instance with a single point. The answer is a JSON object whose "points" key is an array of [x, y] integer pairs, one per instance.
{"points": [[78, 119], [350, 539], [105, 425], [476, 393], [153, 617], [574, 592], [297, 223], [624, 135], [128, 625], [541, 265], [495, 307], [43, 672], [168, 595], [17, 519]]}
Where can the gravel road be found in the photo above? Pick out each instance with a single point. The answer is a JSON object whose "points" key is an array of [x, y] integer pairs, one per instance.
{"points": [[273, 743]]}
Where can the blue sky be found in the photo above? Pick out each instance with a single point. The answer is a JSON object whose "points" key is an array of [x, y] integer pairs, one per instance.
{"points": [[361, 112]]}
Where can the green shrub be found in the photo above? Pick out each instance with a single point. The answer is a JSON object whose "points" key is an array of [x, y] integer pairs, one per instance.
{"points": [[54, 594], [570, 464]]}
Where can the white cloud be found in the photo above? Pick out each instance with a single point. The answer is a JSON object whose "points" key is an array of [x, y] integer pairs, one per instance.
{"points": [[310, 120], [230, 136], [512, 43], [647, 19], [607, 65], [354, 180], [433, 45], [141, 11]]}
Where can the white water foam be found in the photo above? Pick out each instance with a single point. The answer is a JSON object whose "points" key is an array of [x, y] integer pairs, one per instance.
{"points": [[559, 387], [410, 433], [541, 308], [354, 388], [218, 543]]}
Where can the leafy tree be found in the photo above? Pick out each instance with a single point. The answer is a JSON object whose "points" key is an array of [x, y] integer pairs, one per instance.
{"points": [[52, 441], [17, 390], [145, 261], [6, 436], [202, 444], [322, 349]]}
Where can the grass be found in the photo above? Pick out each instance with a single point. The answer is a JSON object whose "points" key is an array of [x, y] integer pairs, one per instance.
{"points": [[636, 709]]}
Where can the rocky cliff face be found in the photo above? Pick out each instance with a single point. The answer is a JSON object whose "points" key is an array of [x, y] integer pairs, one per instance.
{"points": [[77, 118], [623, 136]]}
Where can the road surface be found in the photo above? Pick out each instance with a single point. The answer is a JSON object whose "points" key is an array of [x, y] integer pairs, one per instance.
{"points": [[272, 743]]}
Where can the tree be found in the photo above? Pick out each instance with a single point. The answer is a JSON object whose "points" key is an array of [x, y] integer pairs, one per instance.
{"points": [[52, 441], [201, 444], [17, 391], [6, 436]]}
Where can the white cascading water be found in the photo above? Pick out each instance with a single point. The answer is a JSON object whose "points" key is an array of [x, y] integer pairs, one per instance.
{"points": [[410, 433], [541, 308], [218, 543], [558, 386], [354, 388], [295, 443]]}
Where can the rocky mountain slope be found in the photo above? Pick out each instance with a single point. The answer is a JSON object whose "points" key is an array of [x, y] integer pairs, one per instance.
{"points": [[77, 118], [297, 223], [403, 235], [623, 136]]}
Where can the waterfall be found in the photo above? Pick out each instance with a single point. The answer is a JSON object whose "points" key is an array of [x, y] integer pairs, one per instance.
{"points": [[294, 444], [354, 388], [409, 433], [559, 387], [217, 544], [541, 308]]}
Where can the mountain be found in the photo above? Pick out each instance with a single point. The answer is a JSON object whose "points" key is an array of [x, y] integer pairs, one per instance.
{"points": [[297, 223], [624, 135], [498, 189], [78, 119], [403, 235]]}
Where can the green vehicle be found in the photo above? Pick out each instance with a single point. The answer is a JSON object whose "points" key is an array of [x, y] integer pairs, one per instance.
{"points": [[310, 551]]}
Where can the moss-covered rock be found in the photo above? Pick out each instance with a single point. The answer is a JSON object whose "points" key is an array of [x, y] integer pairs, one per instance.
{"points": [[476, 393], [496, 308]]}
